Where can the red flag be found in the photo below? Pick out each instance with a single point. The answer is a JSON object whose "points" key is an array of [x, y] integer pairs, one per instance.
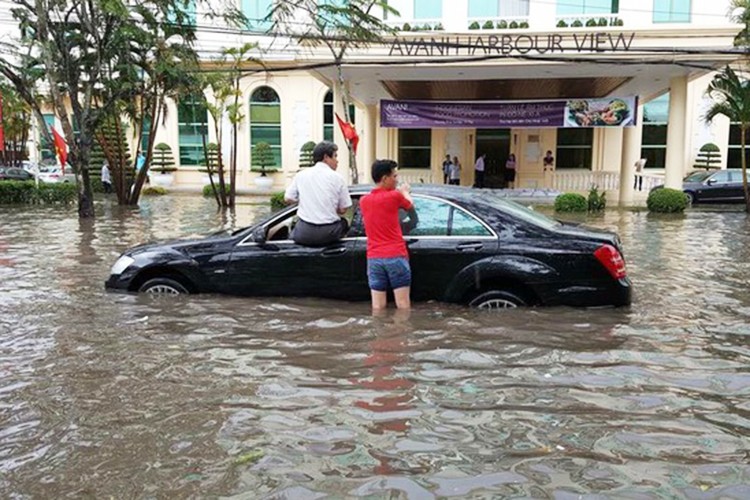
{"points": [[2, 131], [349, 133], [61, 148]]}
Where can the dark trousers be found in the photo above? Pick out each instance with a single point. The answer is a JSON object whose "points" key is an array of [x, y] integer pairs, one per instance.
{"points": [[319, 235], [479, 178], [455, 182], [107, 187], [638, 182], [445, 179]]}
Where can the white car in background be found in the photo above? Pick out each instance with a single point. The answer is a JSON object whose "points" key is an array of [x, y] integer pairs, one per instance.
{"points": [[52, 174]]}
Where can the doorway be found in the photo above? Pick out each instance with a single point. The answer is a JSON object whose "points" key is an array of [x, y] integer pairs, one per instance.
{"points": [[495, 143]]}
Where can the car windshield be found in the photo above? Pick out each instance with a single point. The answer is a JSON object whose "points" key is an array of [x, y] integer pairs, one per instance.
{"points": [[697, 177], [520, 211]]}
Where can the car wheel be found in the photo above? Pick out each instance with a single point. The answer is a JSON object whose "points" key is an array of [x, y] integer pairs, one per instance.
{"points": [[163, 286], [690, 197], [497, 299]]}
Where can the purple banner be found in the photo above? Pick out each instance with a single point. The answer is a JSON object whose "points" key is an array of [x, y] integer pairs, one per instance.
{"points": [[608, 112]]}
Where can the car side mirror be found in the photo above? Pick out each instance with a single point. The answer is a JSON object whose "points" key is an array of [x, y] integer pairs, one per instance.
{"points": [[259, 235], [711, 182]]}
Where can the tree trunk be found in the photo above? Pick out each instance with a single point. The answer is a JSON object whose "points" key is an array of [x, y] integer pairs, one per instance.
{"points": [[353, 170]]}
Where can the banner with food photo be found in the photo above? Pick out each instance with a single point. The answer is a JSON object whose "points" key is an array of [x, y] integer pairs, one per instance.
{"points": [[612, 112], [601, 112]]}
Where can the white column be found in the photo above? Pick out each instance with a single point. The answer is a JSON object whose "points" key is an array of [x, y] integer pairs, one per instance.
{"points": [[675, 161], [455, 15], [542, 15], [338, 136], [632, 137], [369, 141]]}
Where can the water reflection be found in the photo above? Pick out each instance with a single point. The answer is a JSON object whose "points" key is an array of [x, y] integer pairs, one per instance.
{"points": [[205, 396]]}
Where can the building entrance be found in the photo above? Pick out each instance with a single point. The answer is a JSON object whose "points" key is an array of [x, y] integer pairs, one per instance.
{"points": [[496, 144]]}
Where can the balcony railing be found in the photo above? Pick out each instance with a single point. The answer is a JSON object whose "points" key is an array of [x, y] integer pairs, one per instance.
{"points": [[583, 180]]}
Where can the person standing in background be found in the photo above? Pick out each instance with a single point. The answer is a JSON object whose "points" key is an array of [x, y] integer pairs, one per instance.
{"points": [[106, 178], [510, 171], [455, 172], [479, 171], [549, 161], [446, 169], [638, 179]]}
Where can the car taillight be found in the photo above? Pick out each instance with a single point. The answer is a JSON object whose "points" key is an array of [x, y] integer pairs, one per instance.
{"points": [[612, 261]]}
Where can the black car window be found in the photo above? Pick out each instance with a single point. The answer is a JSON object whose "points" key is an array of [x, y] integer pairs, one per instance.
{"points": [[720, 177], [735, 175], [464, 224], [433, 215]]}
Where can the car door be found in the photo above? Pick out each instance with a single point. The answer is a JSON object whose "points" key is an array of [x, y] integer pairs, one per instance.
{"points": [[717, 187], [445, 239], [735, 190], [276, 265]]}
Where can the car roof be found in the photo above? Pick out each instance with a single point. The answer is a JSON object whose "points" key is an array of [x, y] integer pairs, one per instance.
{"points": [[458, 193]]}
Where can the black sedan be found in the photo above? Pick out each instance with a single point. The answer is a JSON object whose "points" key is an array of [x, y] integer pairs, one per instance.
{"points": [[465, 246], [15, 174], [721, 186]]}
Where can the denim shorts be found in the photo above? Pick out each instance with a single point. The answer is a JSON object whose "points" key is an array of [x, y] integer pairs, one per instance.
{"points": [[383, 274]]}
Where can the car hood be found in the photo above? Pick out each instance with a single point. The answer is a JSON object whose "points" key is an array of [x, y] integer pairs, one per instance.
{"points": [[179, 246]]}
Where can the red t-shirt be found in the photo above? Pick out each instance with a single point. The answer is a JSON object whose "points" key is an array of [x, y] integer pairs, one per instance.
{"points": [[382, 227]]}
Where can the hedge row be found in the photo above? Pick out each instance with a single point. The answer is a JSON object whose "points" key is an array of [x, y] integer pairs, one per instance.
{"points": [[19, 192]]}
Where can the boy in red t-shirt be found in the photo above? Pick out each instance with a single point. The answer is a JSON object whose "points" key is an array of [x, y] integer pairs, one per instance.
{"points": [[387, 258]]}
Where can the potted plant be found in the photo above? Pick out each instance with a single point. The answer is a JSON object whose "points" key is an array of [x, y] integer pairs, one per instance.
{"points": [[263, 161], [306, 154], [162, 165], [709, 156]]}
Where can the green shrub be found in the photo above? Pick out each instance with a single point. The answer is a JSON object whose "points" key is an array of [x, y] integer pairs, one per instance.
{"points": [[474, 26], [19, 192], [502, 24], [488, 25], [562, 24], [407, 27], [154, 190], [277, 201], [571, 202], [523, 25], [603, 21], [666, 200], [64, 192], [590, 22], [513, 25], [597, 201], [577, 24], [208, 190]]}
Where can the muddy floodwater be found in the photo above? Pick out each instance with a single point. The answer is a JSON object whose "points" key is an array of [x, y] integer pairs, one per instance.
{"points": [[119, 396]]}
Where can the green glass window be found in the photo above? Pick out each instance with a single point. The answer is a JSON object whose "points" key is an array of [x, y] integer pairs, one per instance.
{"points": [[265, 120], [671, 11], [483, 8], [734, 152], [577, 7], [256, 11], [428, 9], [47, 151], [328, 120], [414, 147], [574, 146], [654, 141], [192, 118]]}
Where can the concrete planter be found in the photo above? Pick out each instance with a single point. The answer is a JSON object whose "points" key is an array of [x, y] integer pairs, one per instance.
{"points": [[161, 179], [265, 183]]}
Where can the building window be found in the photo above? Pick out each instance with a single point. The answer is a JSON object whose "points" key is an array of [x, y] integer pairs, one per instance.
{"points": [[577, 7], [192, 118], [574, 147], [256, 11], [484, 9], [428, 9], [734, 152], [671, 11], [265, 120], [47, 150], [414, 147], [328, 120], [654, 141]]}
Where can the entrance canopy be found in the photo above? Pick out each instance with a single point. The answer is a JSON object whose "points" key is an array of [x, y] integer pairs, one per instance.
{"points": [[585, 63]]}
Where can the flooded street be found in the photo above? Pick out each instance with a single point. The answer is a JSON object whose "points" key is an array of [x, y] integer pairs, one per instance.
{"points": [[106, 395]]}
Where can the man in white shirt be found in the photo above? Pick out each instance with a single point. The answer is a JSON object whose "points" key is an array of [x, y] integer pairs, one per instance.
{"points": [[322, 196], [479, 171], [106, 178]]}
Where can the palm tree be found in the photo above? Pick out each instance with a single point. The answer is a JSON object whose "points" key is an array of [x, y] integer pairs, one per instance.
{"points": [[731, 96]]}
